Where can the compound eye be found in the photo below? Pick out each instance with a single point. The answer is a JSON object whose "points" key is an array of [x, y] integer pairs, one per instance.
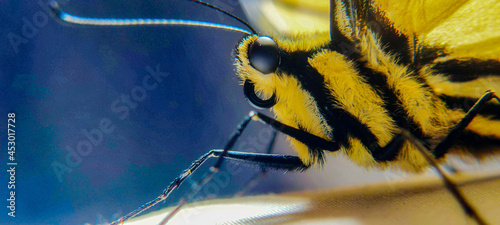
{"points": [[264, 55]]}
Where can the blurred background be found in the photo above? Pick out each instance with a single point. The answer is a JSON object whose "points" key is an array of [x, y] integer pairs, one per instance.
{"points": [[68, 84]]}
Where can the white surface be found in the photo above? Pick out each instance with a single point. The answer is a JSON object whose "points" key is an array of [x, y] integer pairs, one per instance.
{"points": [[419, 200]]}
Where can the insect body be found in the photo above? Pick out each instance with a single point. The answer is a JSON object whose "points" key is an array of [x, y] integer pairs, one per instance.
{"points": [[369, 88], [360, 99]]}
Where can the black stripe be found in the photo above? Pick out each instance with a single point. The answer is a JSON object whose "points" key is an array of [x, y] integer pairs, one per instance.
{"points": [[467, 69], [490, 109], [477, 144], [315, 152], [427, 54], [391, 40], [342, 123], [336, 35], [393, 104]]}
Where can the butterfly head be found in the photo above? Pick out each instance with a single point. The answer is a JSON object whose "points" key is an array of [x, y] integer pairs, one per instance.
{"points": [[258, 59]]}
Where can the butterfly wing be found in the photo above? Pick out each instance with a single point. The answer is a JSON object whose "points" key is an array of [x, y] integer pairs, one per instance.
{"points": [[467, 28], [288, 17]]}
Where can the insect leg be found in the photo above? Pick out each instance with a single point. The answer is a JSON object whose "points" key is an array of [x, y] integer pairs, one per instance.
{"points": [[390, 151], [452, 137], [450, 185], [265, 160], [300, 135], [186, 173], [262, 160], [297, 134], [259, 176]]}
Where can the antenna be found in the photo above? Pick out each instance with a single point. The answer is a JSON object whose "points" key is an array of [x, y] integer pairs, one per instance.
{"points": [[69, 18]]}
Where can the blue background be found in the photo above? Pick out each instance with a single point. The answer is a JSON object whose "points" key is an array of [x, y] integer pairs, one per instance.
{"points": [[64, 79]]}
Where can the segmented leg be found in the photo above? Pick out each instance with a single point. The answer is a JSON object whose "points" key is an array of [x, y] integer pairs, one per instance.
{"points": [[265, 161], [291, 163], [263, 171], [450, 185], [442, 148]]}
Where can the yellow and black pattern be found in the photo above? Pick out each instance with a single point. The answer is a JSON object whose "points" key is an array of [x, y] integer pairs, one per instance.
{"points": [[387, 81], [360, 83]]}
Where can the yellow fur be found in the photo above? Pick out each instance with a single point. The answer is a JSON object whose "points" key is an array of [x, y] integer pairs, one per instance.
{"points": [[347, 86], [480, 124], [473, 89], [294, 105], [343, 20], [360, 155], [423, 107], [410, 159], [303, 41]]}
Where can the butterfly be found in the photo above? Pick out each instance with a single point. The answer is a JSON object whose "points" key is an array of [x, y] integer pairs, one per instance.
{"points": [[389, 84]]}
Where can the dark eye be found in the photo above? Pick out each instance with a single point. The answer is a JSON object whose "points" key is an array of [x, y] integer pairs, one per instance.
{"points": [[264, 55]]}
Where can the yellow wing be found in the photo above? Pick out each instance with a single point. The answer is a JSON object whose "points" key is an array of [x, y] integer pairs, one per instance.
{"points": [[288, 17], [468, 28]]}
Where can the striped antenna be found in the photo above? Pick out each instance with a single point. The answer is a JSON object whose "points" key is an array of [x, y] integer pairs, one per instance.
{"points": [[66, 17]]}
